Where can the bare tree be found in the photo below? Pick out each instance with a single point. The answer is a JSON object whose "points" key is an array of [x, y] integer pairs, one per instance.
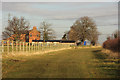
{"points": [[84, 28], [73, 34], [116, 34], [65, 36], [93, 36], [16, 26], [47, 33]]}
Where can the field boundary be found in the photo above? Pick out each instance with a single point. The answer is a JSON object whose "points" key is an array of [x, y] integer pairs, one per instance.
{"points": [[110, 53], [91, 47], [35, 53]]}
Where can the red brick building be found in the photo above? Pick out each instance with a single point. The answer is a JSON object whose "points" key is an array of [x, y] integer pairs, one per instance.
{"points": [[33, 34]]}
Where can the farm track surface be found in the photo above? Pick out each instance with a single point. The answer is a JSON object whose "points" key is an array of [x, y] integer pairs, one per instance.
{"points": [[69, 63]]}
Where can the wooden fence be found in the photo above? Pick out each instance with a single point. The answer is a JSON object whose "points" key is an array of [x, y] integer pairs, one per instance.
{"points": [[16, 46]]}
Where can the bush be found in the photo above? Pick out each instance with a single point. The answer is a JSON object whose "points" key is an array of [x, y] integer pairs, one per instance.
{"points": [[112, 44]]}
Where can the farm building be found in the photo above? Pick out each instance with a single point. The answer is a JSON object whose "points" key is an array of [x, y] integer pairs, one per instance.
{"points": [[33, 34], [55, 41]]}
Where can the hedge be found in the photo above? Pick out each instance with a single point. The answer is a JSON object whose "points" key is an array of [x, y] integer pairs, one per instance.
{"points": [[112, 44]]}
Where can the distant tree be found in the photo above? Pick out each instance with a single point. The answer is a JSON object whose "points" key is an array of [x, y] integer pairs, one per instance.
{"points": [[84, 28], [108, 37], [116, 34], [74, 34], [65, 36], [16, 26], [47, 33], [93, 36]]}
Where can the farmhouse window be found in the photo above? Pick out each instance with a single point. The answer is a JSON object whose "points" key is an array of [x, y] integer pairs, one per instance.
{"points": [[27, 37], [30, 35], [5, 42], [37, 35]]}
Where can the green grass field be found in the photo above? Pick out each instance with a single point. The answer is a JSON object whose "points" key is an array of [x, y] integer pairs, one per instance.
{"points": [[70, 63]]}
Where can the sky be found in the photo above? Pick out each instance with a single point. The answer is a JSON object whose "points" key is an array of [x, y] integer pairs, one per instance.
{"points": [[63, 14]]}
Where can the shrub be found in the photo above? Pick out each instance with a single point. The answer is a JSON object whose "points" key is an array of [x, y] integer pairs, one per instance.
{"points": [[112, 44]]}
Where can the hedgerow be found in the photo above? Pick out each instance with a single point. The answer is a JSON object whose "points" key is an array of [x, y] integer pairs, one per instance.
{"points": [[112, 44]]}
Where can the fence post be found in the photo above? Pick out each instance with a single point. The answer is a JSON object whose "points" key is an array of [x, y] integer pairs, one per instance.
{"points": [[37, 46], [2, 46], [20, 46], [26, 46], [12, 46], [33, 46], [8, 46], [29, 46], [42, 46], [16, 46], [23, 46]]}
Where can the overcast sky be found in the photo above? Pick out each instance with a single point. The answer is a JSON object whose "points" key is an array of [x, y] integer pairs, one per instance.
{"points": [[63, 14]]}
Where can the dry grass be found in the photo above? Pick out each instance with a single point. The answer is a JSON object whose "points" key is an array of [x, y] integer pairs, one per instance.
{"points": [[30, 54], [110, 53], [70, 63]]}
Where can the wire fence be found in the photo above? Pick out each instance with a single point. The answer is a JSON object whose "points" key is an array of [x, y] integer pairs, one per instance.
{"points": [[8, 47]]}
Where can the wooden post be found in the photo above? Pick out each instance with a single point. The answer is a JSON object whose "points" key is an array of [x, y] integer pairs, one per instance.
{"points": [[32, 46], [26, 46], [8, 46], [23, 46], [29, 46], [37, 46], [42, 46], [16, 45], [20, 46], [2, 46], [50, 45], [12, 46]]}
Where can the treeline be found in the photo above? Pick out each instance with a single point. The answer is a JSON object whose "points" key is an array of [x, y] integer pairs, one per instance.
{"points": [[113, 43], [19, 25]]}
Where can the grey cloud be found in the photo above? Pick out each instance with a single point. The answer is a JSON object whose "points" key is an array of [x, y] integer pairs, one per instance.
{"points": [[26, 8], [98, 13], [104, 14]]}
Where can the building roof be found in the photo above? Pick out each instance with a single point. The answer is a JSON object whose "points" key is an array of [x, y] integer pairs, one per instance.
{"points": [[34, 28], [61, 41]]}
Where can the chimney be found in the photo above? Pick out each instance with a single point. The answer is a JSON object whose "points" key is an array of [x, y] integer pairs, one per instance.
{"points": [[34, 28]]}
